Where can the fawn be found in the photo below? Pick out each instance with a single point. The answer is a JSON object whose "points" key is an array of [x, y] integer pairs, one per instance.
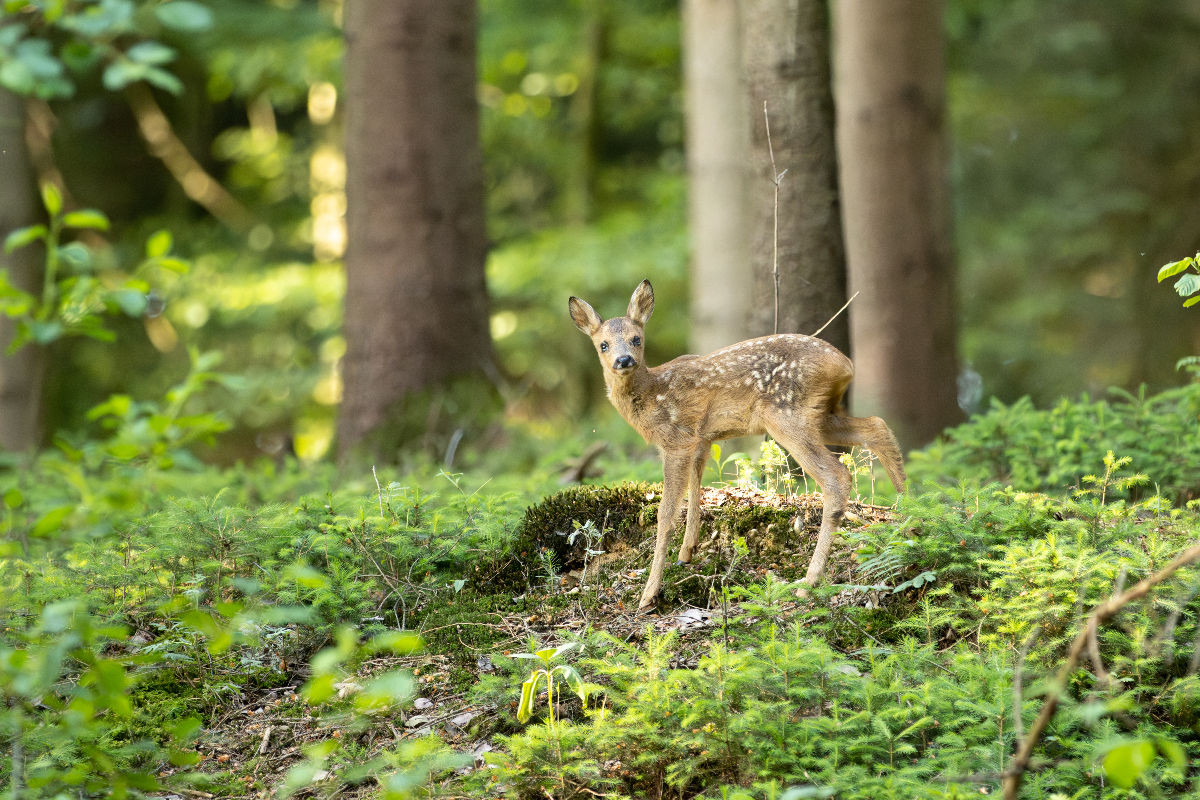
{"points": [[790, 386]]}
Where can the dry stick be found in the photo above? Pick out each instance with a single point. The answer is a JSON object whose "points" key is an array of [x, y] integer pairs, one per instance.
{"points": [[1107, 609], [776, 177], [836, 314]]}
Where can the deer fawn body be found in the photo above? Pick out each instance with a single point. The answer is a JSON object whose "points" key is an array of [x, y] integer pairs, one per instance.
{"points": [[789, 386]]}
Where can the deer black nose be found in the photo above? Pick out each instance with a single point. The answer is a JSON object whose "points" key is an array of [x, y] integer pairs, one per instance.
{"points": [[624, 362]]}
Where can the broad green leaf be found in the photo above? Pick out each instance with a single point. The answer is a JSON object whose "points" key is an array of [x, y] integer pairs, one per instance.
{"points": [[51, 521], [184, 15], [17, 77], [120, 74], [158, 244], [387, 689], [76, 255], [151, 52], [118, 405], [402, 643], [1188, 284], [1173, 752], [1126, 763], [130, 301], [51, 199], [23, 236], [528, 693], [1174, 268], [318, 689], [13, 498], [86, 218], [45, 332], [163, 80], [1191, 301]]}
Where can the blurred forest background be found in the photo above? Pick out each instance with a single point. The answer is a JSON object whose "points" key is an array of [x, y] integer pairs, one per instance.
{"points": [[1074, 164]]}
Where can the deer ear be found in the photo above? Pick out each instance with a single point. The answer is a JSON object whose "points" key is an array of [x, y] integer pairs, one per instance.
{"points": [[641, 305], [584, 316]]}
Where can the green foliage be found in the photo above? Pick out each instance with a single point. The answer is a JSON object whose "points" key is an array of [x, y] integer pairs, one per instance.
{"points": [[46, 48], [1052, 450], [1188, 285], [78, 289]]}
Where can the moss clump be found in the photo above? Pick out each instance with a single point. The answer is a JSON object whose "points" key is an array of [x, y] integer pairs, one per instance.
{"points": [[623, 512]]}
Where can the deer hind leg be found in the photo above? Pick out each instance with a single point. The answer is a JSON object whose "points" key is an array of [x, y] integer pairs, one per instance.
{"points": [[873, 434], [675, 480], [692, 531], [801, 436]]}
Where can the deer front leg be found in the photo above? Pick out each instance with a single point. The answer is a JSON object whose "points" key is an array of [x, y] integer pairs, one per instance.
{"points": [[675, 480], [692, 532]]}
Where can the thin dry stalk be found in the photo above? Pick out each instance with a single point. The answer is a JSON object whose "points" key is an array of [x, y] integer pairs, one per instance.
{"points": [[776, 178]]}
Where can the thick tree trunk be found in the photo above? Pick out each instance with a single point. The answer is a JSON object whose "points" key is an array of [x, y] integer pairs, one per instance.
{"points": [[895, 189], [416, 302], [20, 372], [785, 51], [718, 138]]}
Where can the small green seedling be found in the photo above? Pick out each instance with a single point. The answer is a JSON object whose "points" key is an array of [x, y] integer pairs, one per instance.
{"points": [[529, 688]]}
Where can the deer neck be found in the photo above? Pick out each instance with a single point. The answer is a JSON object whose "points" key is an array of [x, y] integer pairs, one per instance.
{"points": [[634, 395]]}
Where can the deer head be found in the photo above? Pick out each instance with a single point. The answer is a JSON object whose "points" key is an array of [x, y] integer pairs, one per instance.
{"points": [[619, 341]]}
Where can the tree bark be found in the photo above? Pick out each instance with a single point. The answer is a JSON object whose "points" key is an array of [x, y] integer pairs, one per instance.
{"points": [[718, 139], [20, 372], [895, 189], [416, 300], [785, 51]]}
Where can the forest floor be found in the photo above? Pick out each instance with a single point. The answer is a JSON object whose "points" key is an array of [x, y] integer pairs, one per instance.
{"points": [[262, 733]]}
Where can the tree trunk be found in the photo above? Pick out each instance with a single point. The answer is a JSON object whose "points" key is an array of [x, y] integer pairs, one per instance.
{"points": [[418, 351], [20, 372], [892, 145], [718, 139], [785, 51]]}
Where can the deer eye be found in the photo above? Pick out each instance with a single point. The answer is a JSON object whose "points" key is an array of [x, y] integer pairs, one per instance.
{"points": [[637, 341], [604, 347]]}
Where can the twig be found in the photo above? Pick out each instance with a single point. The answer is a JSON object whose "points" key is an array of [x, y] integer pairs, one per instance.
{"points": [[776, 178], [262, 746], [836, 314], [1106, 610]]}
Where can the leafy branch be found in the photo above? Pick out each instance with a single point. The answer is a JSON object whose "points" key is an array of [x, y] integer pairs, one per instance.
{"points": [[1188, 284]]}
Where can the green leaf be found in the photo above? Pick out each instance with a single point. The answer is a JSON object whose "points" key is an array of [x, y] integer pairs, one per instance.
{"points": [[23, 236], [17, 77], [45, 332], [151, 52], [387, 689], [159, 244], [318, 689], [130, 301], [51, 521], [1174, 268], [184, 15], [13, 498], [163, 80], [1173, 752], [51, 199], [120, 74], [86, 218], [1191, 301], [1125, 763], [1188, 285], [528, 693], [76, 255]]}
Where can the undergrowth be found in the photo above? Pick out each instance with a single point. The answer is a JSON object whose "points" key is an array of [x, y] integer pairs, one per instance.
{"points": [[143, 593]]}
